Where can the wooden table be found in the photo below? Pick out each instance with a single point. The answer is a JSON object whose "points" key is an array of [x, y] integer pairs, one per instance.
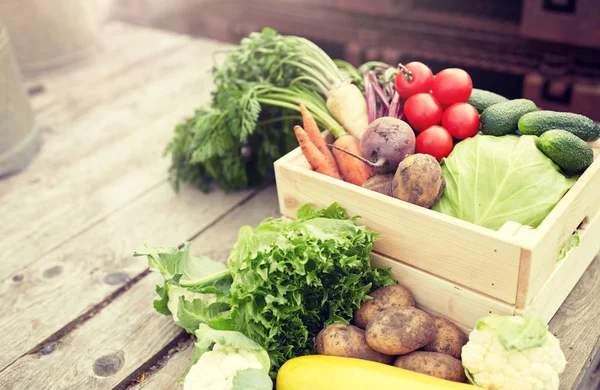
{"points": [[75, 305]]}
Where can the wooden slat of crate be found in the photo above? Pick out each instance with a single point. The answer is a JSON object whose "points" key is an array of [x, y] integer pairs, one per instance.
{"points": [[468, 255], [441, 297], [541, 247], [566, 273]]}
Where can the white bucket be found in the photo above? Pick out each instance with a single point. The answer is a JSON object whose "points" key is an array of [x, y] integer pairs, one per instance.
{"points": [[50, 33], [19, 135]]}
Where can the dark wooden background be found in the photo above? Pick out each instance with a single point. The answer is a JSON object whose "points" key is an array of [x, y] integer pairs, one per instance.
{"points": [[544, 50]]}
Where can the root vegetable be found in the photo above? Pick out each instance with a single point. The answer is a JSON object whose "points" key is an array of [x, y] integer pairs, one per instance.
{"points": [[312, 129], [449, 339], [347, 341], [435, 364], [315, 158], [349, 107], [400, 330], [380, 183], [383, 299], [418, 180], [386, 143], [351, 169]]}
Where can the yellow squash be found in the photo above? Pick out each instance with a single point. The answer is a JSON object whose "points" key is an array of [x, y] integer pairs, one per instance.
{"points": [[338, 373]]}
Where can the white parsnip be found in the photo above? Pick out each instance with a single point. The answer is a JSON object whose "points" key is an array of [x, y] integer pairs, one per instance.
{"points": [[349, 107]]}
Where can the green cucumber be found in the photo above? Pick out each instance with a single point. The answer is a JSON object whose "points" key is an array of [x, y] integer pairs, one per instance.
{"points": [[537, 123], [568, 151], [482, 99], [503, 118]]}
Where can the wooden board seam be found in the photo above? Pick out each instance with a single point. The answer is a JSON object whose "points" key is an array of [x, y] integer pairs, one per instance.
{"points": [[77, 322], [98, 221], [154, 361], [455, 284]]}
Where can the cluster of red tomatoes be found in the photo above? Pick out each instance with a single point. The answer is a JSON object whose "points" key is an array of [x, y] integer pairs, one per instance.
{"points": [[431, 101]]}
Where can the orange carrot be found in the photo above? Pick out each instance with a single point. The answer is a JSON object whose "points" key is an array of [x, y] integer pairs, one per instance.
{"points": [[315, 158], [351, 169], [312, 129]]}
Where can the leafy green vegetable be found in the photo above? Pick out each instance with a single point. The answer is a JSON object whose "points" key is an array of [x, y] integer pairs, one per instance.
{"points": [[252, 379], [293, 278], [491, 180], [573, 242], [195, 290], [289, 279], [518, 333], [160, 305], [249, 122], [191, 314]]}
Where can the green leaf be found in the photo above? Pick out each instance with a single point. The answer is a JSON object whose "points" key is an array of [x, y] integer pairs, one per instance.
{"points": [[572, 243], [252, 379], [470, 378], [191, 314], [172, 263], [515, 332], [492, 180], [161, 304], [309, 211]]}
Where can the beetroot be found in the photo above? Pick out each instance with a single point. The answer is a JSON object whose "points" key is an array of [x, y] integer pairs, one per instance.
{"points": [[386, 142]]}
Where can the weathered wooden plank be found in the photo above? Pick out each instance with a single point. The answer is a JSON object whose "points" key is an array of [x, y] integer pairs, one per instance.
{"points": [[577, 325], [130, 323], [108, 346], [128, 136], [61, 286], [121, 45], [165, 376]]}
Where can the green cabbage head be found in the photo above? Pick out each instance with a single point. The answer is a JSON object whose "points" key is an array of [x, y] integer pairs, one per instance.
{"points": [[491, 180]]}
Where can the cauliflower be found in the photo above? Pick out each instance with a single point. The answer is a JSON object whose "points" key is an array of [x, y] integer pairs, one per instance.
{"points": [[228, 361], [513, 353], [216, 369], [174, 292]]}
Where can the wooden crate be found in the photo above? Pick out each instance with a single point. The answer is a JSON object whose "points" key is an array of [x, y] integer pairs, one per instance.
{"points": [[456, 268]]}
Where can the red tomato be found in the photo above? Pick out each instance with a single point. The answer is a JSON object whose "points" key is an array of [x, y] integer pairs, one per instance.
{"points": [[420, 82], [422, 111], [435, 141], [452, 86], [461, 120]]}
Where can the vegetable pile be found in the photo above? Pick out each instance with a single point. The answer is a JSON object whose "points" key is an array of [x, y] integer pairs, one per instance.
{"points": [[389, 329], [397, 130], [283, 281], [296, 288]]}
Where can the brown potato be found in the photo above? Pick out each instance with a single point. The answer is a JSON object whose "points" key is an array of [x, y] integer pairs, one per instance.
{"points": [[433, 363], [347, 341], [418, 180], [383, 298], [449, 339], [400, 330]]}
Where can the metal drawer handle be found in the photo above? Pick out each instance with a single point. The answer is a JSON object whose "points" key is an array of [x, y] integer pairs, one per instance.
{"points": [[567, 7]]}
